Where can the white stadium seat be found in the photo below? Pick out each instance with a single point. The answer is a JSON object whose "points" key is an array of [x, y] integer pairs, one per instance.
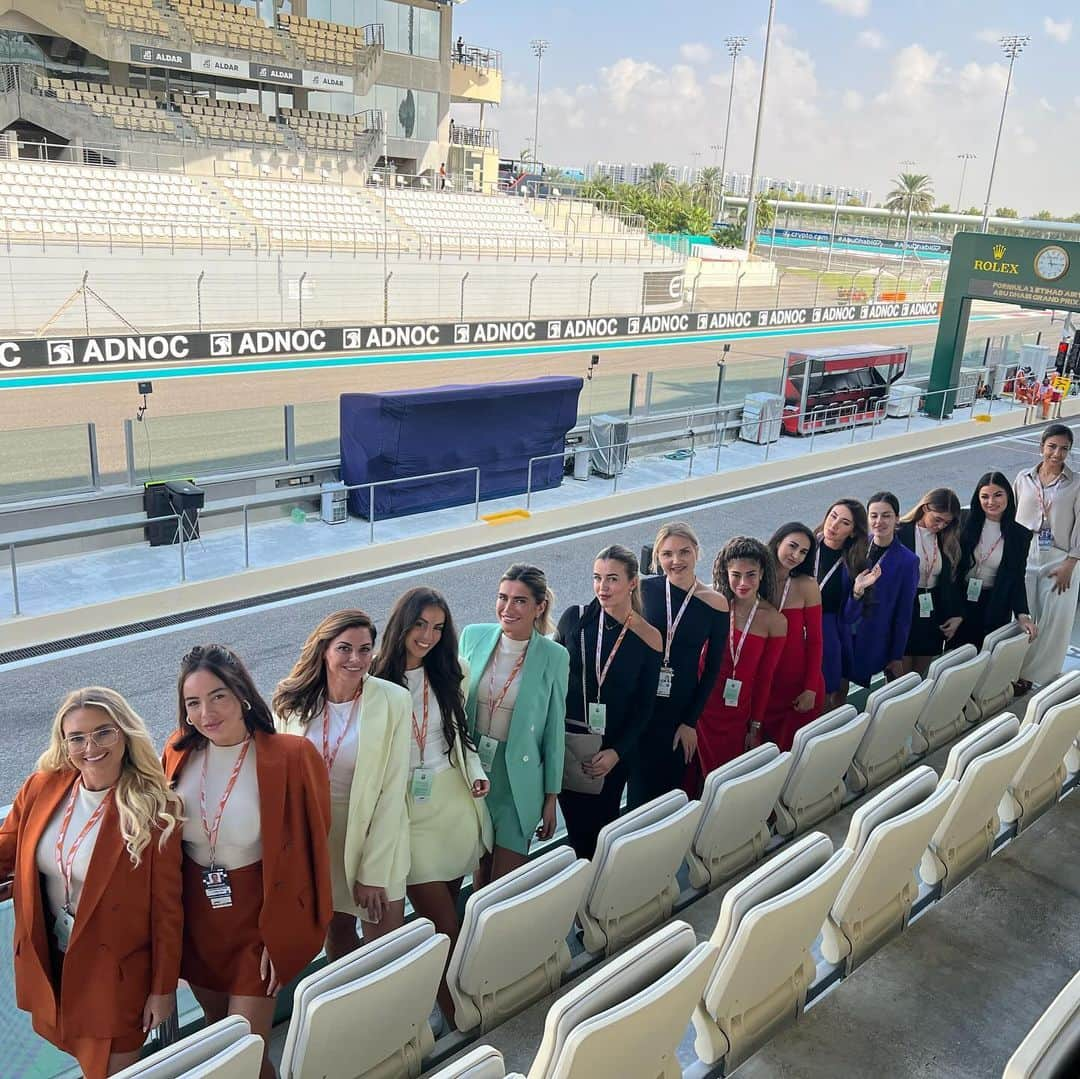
{"points": [[953, 675], [982, 763], [767, 925], [626, 1020], [888, 835], [821, 754], [512, 947], [1007, 646], [481, 1063], [366, 1015], [736, 803], [1051, 1049], [891, 711], [223, 1050], [1037, 784], [633, 885]]}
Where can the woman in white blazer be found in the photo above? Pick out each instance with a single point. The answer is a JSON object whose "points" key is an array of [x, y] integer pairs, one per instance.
{"points": [[449, 826], [360, 724]]}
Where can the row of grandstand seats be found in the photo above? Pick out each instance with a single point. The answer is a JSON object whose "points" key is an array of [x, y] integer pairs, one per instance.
{"points": [[325, 130], [326, 42], [441, 212], [218, 22], [127, 107], [368, 1013], [241, 121], [139, 15]]}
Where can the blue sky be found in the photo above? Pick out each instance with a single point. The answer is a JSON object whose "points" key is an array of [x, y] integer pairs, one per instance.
{"points": [[855, 87]]}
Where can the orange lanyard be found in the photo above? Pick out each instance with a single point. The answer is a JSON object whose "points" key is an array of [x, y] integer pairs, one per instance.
{"points": [[66, 865], [212, 830], [980, 562], [671, 626], [496, 702], [601, 674], [420, 733], [330, 755], [928, 564], [1045, 504]]}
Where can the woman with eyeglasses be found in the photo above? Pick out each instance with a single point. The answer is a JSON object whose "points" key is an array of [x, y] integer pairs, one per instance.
{"points": [[449, 827], [359, 725], [516, 706], [843, 539], [256, 873], [931, 531], [993, 557], [614, 666], [883, 595], [797, 691], [745, 574], [691, 618], [93, 846], [1048, 504]]}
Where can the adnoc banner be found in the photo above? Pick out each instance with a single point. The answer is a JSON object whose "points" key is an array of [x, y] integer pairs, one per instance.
{"points": [[239, 346]]}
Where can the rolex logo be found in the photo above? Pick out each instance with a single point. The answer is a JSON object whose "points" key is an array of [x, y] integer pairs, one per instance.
{"points": [[999, 251], [999, 265]]}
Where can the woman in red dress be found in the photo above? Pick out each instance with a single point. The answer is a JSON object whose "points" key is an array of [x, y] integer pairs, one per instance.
{"points": [[797, 692], [731, 721]]}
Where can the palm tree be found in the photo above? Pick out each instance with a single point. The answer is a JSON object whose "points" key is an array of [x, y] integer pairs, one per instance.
{"points": [[658, 178], [913, 194], [706, 190]]}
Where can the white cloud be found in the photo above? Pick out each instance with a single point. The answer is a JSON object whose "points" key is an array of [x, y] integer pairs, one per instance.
{"points": [[1059, 31], [695, 53], [871, 39], [990, 34], [856, 8], [852, 100], [1045, 105]]}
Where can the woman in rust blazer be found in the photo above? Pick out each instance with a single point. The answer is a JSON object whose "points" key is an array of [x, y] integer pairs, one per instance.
{"points": [[93, 846], [256, 866]]}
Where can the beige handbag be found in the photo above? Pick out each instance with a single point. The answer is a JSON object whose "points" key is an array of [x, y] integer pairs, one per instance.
{"points": [[579, 748]]}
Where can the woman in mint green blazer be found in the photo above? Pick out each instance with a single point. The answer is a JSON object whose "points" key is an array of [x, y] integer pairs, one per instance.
{"points": [[516, 708]]}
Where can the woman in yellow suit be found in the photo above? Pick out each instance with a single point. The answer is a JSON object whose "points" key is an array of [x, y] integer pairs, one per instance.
{"points": [[361, 725]]}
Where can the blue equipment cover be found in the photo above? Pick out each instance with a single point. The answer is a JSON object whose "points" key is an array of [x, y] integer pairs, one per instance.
{"points": [[498, 427]]}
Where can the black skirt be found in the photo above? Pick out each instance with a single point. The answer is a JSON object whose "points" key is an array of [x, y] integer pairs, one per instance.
{"points": [[924, 638]]}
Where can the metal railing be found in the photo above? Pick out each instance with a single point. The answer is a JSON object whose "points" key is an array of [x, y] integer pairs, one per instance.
{"points": [[482, 138], [477, 56]]}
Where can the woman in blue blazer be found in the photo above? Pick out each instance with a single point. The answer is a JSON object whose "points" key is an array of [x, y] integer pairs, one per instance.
{"points": [[516, 708], [883, 596]]}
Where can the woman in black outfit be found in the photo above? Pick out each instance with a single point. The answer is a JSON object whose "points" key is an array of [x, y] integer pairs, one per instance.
{"points": [[993, 558], [688, 615], [932, 531], [614, 664]]}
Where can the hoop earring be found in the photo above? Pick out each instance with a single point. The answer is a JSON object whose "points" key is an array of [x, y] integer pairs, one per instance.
{"points": [[247, 705], [188, 722]]}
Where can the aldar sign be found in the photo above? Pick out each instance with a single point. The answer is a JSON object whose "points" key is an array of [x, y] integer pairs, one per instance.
{"points": [[1022, 270]]}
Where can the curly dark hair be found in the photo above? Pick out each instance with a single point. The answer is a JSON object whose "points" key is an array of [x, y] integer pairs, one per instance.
{"points": [[745, 547]]}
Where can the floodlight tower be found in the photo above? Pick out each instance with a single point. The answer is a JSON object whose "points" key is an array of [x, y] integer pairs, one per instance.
{"points": [[1012, 45], [539, 46], [963, 159], [735, 45], [750, 234]]}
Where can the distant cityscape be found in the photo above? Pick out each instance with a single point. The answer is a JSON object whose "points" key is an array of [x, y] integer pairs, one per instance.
{"points": [[736, 183]]}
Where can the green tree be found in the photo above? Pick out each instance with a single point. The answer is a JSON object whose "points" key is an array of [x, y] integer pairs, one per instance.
{"points": [[913, 191], [706, 190], [1074, 218], [1044, 215], [658, 178], [943, 208], [1005, 211]]}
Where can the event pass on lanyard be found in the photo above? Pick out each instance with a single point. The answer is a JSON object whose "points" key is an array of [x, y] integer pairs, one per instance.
{"points": [[423, 779], [215, 878], [667, 675], [732, 685]]}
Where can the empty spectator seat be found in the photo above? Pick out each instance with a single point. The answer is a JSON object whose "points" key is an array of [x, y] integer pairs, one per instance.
{"points": [[1051, 1049], [953, 675], [888, 835], [821, 754], [633, 885], [223, 1050], [366, 1014], [982, 763], [768, 923], [236, 121], [1007, 646], [228, 25], [891, 711], [137, 15], [481, 1063], [628, 1018], [327, 42], [327, 130], [125, 107], [1037, 784], [512, 947], [736, 803]]}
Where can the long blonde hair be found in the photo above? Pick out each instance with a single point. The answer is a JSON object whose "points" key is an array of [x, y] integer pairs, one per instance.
{"points": [[143, 798]]}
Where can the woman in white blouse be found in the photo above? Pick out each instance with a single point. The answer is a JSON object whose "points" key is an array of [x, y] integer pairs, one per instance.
{"points": [[449, 826], [1048, 503], [93, 846], [360, 725]]}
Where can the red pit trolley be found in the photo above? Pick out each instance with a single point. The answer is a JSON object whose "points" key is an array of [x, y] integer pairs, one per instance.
{"points": [[828, 388]]}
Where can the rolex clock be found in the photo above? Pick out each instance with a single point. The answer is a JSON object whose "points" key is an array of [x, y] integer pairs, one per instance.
{"points": [[1052, 262]]}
